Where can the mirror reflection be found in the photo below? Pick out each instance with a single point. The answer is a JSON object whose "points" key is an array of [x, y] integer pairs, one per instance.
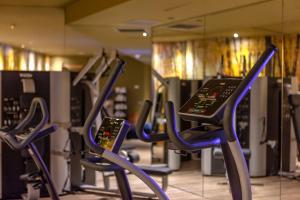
{"points": [[229, 46]]}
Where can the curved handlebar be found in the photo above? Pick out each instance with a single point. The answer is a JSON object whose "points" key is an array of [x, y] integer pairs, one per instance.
{"points": [[105, 92], [45, 132], [10, 137], [141, 134], [176, 138], [241, 91]]}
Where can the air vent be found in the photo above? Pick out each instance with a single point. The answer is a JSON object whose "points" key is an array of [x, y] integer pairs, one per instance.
{"points": [[185, 26], [129, 30]]}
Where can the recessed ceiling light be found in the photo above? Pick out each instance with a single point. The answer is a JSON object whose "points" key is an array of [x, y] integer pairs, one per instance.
{"points": [[145, 34], [22, 46], [137, 56], [12, 27], [235, 35]]}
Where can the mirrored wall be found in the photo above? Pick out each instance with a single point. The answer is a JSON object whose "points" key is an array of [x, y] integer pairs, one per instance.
{"points": [[227, 44], [235, 40]]}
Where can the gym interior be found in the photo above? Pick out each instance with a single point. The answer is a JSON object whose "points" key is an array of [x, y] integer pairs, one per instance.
{"points": [[140, 99]]}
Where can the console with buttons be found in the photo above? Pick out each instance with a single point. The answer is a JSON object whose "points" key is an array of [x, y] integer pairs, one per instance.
{"points": [[111, 134], [208, 104]]}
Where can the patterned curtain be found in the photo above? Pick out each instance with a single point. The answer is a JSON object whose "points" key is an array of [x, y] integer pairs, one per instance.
{"points": [[12, 58], [232, 57], [169, 59], [196, 59], [291, 55]]}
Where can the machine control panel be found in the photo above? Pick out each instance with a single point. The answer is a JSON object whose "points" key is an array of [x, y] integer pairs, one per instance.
{"points": [[111, 134], [209, 101]]}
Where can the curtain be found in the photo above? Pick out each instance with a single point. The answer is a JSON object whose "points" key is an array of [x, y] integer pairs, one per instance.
{"points": [[197, 59]]}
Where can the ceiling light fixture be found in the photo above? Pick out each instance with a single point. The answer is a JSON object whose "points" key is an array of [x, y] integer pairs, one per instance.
{"points": [[145, 34], [137, 56], [235, 35], [12, 27]]}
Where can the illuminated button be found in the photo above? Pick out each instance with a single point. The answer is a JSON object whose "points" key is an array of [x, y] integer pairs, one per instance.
{"points": [[215, 94]]}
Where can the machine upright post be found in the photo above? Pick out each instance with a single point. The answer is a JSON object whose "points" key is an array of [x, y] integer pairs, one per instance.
{"points": [[44, 171]]}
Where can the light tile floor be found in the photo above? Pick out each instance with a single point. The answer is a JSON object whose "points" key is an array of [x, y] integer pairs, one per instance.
{"points": [[189, 184]]}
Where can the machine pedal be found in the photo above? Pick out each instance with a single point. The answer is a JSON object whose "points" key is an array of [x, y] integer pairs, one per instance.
{"points": [[31, 177], [37, 185]]}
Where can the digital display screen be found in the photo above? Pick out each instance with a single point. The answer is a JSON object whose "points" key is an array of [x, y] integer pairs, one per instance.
{"points": [[108, 133], [209, 98]]}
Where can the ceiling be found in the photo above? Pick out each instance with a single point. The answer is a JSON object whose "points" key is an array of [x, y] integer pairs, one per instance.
{"points": [[144, 14], [42, 29], [80, 27], [35, 3], [263, 18]]}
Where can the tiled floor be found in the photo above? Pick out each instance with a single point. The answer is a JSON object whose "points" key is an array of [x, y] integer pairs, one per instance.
{"points": [[189, 184]]}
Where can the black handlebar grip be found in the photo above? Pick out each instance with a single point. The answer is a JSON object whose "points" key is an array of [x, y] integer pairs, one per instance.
{"points": [[142, 135], [45, 132], [139, 128], [183, 144], [171, 126]]}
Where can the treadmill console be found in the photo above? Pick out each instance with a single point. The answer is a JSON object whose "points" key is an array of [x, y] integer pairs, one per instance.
{"points": [[208, 104], [111, 134]]}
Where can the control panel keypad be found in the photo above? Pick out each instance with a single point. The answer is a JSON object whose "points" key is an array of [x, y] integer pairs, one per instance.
{"points": [[210, 97], [108, 133]]}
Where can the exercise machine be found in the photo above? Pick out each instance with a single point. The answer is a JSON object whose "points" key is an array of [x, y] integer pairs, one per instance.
{"points": [[23, 137], [105, 155], [17, 90], [214, 106], [84, 92]]}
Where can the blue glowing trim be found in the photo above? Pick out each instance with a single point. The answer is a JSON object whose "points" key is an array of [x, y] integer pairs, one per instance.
{"points": [[196, 145], [247, 88]]}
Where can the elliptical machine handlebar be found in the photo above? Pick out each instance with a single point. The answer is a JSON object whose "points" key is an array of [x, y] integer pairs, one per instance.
{"points": [[10, 136], [141, 134], [105, 92], [241, 91], [176, 138], [32, 110]]}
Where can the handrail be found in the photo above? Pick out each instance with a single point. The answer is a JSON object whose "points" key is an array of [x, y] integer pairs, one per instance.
{"points": [[141, 134], [241, 91], [104, 94], [176, 138], [37, 101]]}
